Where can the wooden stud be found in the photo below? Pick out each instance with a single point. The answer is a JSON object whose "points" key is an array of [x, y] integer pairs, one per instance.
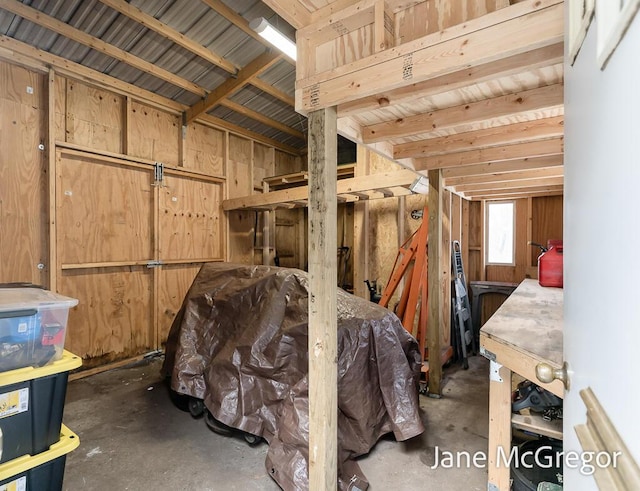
{"points": [[52, 173], [435, 300], [499, 426], [323, 378], [53, 24]]}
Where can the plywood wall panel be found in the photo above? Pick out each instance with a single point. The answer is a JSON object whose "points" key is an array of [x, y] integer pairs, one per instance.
{"points": [[346, 49], [114, 317], [23, 179], [205, 150], [546, 223], [190, 219], [286, 163], [94, 117], [263, 163], [104, 211], [154, 134], [175, 281], [240, 183]]}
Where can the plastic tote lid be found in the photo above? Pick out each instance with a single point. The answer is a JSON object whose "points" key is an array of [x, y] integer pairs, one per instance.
{"points": [[14, 299]]}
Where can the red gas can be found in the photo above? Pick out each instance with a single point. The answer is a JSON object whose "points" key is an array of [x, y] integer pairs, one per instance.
{"points": [[550, 265]]}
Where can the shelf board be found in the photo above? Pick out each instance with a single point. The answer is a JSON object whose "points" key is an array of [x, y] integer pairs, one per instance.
{"points": [[534, 423]]}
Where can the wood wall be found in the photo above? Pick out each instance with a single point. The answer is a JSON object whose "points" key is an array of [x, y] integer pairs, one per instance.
{"points": [[84, 214]]}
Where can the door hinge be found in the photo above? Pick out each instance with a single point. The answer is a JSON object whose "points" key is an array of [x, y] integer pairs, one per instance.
{"points": [[154, 264], [158, 174]]}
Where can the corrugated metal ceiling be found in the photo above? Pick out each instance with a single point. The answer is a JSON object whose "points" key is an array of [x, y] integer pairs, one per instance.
{"points": [[195, 20]]}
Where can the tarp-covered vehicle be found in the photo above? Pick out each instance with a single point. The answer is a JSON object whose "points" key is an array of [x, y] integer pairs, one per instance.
{"points": [[239, 343]]}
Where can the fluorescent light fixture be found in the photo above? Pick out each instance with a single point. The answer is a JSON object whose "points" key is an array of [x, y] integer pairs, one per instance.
{"points": [[420, 185], [274, 37]]}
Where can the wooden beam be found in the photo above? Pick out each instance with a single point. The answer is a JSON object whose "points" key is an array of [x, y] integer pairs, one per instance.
{"points": [[508, 185], [229, 86], [534, 100], [92, 42], [527, 25], [514, 176], [292, 11], [514, 192], [354, 186], [536, 194], [486, 155], [495, 168], [349, 19], [237, 20], [323, 322], [256, 116], [53, 266], [177, 37], [512, 65], [272, 91], [436, 293], [539, 129]]}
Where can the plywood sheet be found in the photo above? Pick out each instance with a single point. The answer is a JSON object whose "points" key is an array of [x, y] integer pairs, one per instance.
{"points": [[154, 134], [190, 219], [286, 163], [346, 49], [94, 117], [546, 223], [60, 101], [105, 210], [175, 280], [263, 163], [23, 180], [240, 183], [205, 149], [114, 318]]}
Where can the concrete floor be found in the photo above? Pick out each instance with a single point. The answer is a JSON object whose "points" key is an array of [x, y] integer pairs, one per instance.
{"points": [[132, 437]]}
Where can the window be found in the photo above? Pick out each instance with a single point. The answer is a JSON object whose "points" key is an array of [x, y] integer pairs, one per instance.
{"points": [[500, 227]]}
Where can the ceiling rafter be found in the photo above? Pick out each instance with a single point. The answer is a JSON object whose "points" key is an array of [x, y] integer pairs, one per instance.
{"points": [[245, 111], [518, 192], [180, 39], [499, 186], [272, 91], [92, 42], [539, 129], [232, 85], [498, 167], [513, 176], [534, 100]]}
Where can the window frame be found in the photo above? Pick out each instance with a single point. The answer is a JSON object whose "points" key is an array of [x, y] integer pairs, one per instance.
{"points": [[487, 207]]}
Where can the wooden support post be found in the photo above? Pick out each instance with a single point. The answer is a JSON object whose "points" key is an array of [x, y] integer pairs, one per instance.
{"points": [[323, 375], [266, 225], [499, 425], [51, 168], [434, 320], [361, 231]]}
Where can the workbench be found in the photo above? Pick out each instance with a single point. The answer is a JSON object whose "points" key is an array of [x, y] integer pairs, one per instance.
{"points": [[525, 331]]}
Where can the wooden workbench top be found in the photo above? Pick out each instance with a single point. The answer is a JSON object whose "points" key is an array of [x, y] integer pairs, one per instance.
{"points": [[531, 321]]}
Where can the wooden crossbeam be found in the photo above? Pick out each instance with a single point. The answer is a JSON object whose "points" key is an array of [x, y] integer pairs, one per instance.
{"points": [[498, 167], [486, 155], [498, 186], [513, 176], [515, 196], [538, 58], [92, 42], [515, 191], [237, 20], [354, 186], [527, 25], [245, 111], [177, 37], [228, 87], [272, 91], [542, 98], [538, 129], [349, 19]]}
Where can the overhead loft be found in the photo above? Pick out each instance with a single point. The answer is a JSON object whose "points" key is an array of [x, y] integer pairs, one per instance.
{"points": [[476, 90], [383, 185]]}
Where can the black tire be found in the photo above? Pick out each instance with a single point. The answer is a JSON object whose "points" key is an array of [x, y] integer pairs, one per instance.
{"points": [[196, 407], [216, 426], [180, 401], [252, 440]]}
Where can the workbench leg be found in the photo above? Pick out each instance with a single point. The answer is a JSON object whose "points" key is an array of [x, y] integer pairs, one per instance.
{"points": [[499, 427]]}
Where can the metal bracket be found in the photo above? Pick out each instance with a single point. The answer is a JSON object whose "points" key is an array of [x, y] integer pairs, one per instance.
{"points": [[154, 264], [492, 487], [158, 173], [487, 354], [494, 372]]}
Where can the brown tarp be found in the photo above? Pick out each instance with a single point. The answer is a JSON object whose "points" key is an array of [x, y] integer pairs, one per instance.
{"points": [[240, 343]]}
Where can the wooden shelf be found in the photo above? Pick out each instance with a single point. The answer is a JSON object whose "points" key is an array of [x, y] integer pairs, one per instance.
{"points": [[534, 423]]}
